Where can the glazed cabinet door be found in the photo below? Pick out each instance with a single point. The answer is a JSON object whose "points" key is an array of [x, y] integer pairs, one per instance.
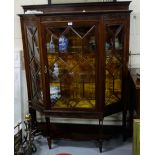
{"points": [[32, 54], [71, 60], [115, 54]]}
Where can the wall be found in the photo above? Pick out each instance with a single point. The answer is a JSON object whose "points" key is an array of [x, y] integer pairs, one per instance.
{"points": [[20, 91], [135, 34], [20, 99]]}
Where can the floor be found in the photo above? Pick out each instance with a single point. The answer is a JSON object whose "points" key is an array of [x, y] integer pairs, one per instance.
{"points": [[114, 146]]}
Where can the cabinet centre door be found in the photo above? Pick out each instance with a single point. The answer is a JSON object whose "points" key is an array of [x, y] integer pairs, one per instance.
{"points": [[71, 57]]}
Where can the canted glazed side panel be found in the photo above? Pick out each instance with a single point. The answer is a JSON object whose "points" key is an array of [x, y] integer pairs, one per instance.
{"points": [[34, 62], [115, 30], [26, 59]]}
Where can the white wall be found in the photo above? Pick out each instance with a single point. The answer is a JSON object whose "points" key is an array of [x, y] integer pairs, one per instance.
{"points": [[20, 91], [20, 82], [135, 33]]}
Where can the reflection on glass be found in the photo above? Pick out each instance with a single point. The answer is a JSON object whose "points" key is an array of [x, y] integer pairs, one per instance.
{"points": [[72, 66], [114, 37]]}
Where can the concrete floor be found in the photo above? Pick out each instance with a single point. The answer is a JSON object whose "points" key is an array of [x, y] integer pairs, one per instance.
{"points": [[113, 146]]}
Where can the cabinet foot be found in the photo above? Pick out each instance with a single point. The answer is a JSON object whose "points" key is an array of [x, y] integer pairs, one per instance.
{"points": [[124, 135], [48, 131], [100, 146], [100, 133], [49, 143]]}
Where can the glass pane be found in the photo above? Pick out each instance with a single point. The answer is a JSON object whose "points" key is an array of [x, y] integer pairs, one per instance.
{"points": [[30, 45], [34, 63], [71, 64], [114, 49]]}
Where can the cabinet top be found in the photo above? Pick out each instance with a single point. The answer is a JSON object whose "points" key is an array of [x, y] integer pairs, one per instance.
{"points": [[69, 8]]}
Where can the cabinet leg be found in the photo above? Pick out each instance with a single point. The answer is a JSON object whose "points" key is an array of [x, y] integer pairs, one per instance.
{"points": [[131, 113], [100, 134], [124, 126], [48, 132], [33, 116], [49, 142], [100, 146]]}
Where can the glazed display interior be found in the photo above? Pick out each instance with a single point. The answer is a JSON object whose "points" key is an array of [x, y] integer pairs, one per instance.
{"points": [[114, 49], [71, 55], [72, 65]]}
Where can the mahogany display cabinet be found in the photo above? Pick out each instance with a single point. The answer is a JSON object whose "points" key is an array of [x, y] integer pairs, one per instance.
{"points": [[76, 58]]}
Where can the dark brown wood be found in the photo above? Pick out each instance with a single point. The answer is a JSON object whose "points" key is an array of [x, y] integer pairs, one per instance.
{"points": [[101, 66], [134, 80], [100, 15], [42, 50], [133, 97], [73, 7], [125, 78]]}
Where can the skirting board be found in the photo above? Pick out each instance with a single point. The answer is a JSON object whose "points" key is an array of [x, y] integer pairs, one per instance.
{"points": [[115, 119]]}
